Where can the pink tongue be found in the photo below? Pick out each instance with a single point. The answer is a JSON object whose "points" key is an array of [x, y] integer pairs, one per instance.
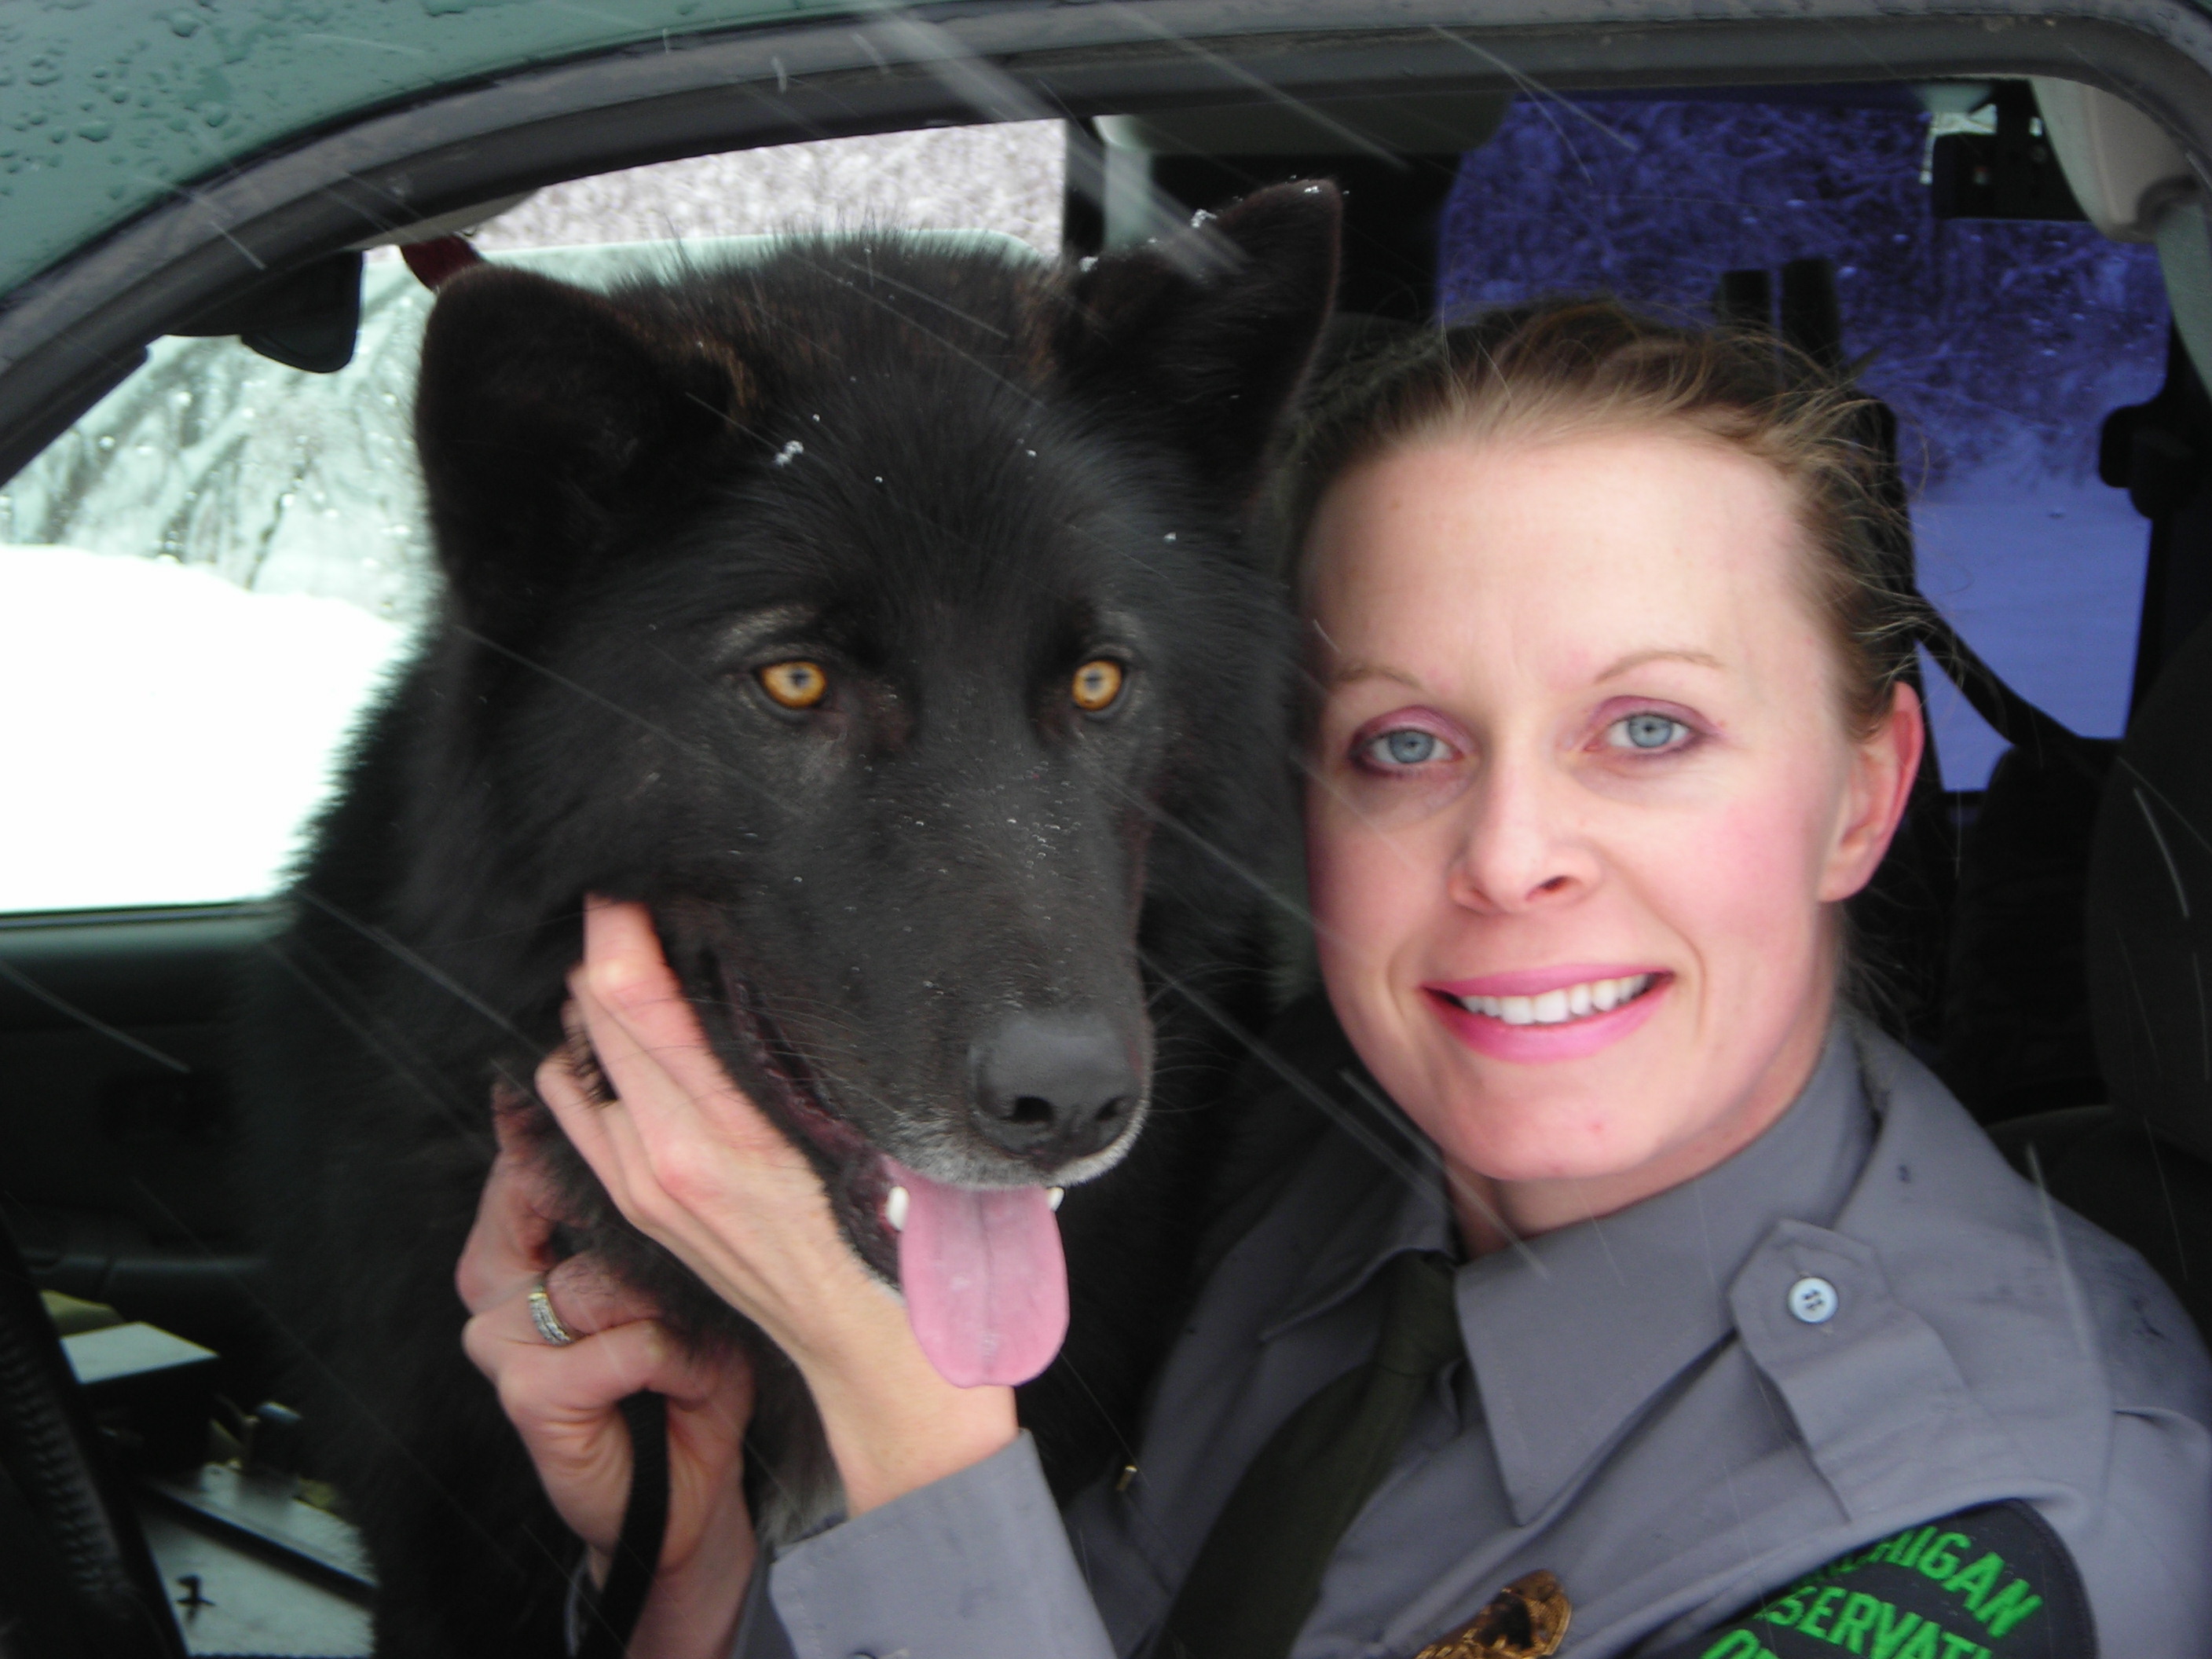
{"points": [[986, 1284]]}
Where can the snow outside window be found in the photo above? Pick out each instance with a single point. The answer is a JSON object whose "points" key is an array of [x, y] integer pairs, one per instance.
{"points": [[205, 581], [200, 583]]}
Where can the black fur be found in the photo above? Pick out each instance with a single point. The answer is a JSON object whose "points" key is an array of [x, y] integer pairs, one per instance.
{"points": [[950, 477]]}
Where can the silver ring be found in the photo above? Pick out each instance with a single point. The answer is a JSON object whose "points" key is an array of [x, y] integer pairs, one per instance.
{"points": [[548, 1322]]}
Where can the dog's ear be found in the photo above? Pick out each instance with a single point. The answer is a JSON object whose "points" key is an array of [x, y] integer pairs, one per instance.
{"points": [[545, 414], [1213, 330]]}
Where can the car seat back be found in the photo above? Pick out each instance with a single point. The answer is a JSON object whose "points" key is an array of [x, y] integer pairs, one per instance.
{"points": [[2150, 909], [2141, 1167]]}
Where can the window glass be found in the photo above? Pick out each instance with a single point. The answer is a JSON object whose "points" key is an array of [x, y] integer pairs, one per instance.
{"points": [[203, 582], [2000, 344]]}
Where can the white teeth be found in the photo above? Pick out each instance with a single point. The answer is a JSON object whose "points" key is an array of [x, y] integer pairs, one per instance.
{"points": [[1596, 996], [895, 1209], [1054, 1194]]}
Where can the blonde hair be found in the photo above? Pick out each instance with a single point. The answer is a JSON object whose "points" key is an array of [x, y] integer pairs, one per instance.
{"points": [[1560, 368]]}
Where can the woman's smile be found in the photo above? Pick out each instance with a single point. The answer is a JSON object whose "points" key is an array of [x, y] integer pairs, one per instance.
{"points": [[1550, 1013]]}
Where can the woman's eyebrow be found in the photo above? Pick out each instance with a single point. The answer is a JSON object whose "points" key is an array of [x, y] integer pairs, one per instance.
{"points": [[1354, 672], [1637, 658]]}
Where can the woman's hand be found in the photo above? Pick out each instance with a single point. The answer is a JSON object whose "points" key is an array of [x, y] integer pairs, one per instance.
{"points": [[693, 1165], [563, 1401]]}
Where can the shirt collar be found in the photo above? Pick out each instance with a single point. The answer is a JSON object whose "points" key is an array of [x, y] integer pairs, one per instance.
{"points": [[1573, 1336], [1390, 1201], [1544, 1322]]}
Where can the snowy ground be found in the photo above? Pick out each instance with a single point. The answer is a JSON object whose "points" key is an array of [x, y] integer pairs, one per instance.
{"points": [[171, 728], [2045, 579]]}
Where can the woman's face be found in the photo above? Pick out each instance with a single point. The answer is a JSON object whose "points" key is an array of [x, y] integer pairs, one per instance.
{"points": [[1582, 797]]}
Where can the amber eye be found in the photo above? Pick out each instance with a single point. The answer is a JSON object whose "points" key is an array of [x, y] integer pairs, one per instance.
{"points": [[1096, 684], [799, 684]]}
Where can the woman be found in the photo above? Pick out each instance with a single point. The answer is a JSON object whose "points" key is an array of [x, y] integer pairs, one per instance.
{"points": [[1623, 1253]]}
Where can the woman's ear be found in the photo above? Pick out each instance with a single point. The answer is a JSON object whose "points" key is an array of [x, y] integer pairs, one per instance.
{"points": [[1883, 766]]}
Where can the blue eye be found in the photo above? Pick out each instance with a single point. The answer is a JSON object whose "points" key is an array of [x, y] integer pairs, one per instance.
{"points": [[1406, 746], [1647, 732]]}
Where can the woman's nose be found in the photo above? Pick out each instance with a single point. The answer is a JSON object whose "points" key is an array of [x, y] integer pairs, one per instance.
{"points": [[1520, 847]]}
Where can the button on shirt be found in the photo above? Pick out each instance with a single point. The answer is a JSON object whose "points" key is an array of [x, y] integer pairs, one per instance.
{"points": [[1643, 1405]]}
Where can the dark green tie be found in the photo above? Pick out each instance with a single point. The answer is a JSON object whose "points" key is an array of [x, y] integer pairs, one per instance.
{"points": [[1259, 1572]]}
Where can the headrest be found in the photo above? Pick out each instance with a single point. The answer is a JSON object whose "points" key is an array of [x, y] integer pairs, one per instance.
{"points": [[2150, 908], [2137, 185], [2124, 169]]}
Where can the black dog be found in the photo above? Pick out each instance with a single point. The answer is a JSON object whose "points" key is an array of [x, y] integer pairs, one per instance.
{"points": [[882, 617]]}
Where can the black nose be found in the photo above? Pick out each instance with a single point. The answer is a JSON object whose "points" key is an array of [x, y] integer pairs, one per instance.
{"points": [[1053, 1088]]}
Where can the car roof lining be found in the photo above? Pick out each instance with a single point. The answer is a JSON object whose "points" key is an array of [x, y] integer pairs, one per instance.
{"points": [[68, 335]]}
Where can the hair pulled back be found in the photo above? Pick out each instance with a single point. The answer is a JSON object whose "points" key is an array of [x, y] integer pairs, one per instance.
{"points": [[1565, 367]]}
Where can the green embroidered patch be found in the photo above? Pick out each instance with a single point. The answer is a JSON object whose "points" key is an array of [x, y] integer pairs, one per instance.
{"points": [[1993, 1583]]}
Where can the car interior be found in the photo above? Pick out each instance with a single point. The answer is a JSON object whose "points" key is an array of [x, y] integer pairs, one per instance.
{"points": [[2013, 261]]}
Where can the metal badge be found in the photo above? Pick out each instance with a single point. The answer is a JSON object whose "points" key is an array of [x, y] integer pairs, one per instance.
{"points": [[1527, 1620]]}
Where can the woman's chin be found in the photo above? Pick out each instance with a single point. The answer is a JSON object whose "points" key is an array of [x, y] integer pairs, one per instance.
{"points": [[1560, 1139]]}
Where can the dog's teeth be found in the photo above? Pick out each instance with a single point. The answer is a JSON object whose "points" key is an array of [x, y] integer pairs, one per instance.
{"points": [[895, 1209], [1054, 1194]]}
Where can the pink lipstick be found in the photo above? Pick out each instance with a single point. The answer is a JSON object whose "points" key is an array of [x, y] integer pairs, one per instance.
{"points": [[1563, 1013]]}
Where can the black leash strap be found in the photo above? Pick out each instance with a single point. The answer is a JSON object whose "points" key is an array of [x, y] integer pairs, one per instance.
{"points": [[1812, 321], [2010, 715], [612, 1616]]}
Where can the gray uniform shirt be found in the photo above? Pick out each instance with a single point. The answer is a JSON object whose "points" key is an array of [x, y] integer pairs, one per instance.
{"points": [[1640, 1410]]}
